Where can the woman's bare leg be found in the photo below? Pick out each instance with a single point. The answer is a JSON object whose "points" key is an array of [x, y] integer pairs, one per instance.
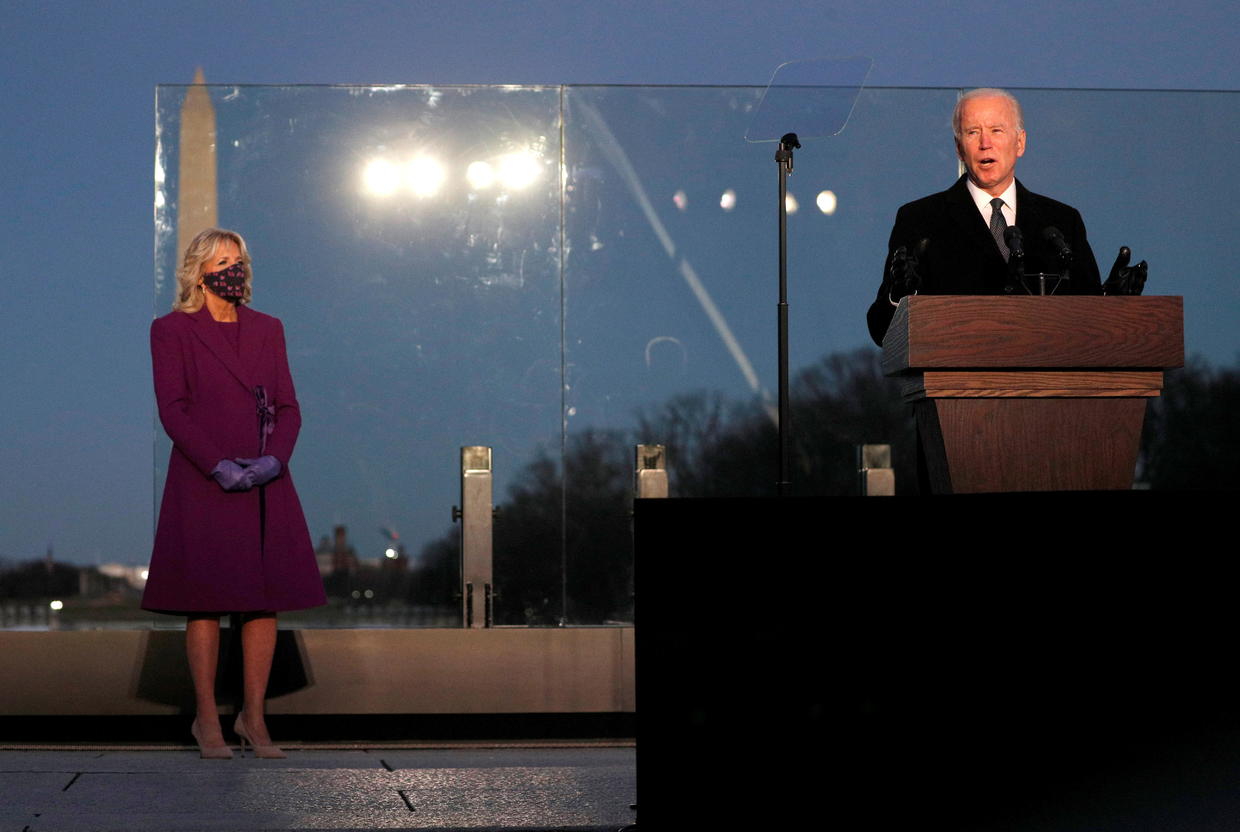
{"points": [[258, 642], [202, 648]]}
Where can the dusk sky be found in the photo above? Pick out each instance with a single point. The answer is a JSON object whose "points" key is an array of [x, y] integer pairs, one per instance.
{"points": [[77, 138]]}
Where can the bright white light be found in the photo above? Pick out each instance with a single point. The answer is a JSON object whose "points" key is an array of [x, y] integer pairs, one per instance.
{"points": [[728, 201], [518, 170], [826, 202], [144, 574], [791, 204], [390, 553], [424, 176], [681, 199], [381, 177], [57, 605], [480, 175]]}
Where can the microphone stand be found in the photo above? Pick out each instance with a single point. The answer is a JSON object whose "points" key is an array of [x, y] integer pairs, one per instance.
{"points": [[783, 157], [1065, 271], [1016, 268]]}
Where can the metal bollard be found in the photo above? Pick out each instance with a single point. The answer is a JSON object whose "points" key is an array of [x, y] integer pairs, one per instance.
{"points": [[875, 472], [476, 514], [650, 471]]}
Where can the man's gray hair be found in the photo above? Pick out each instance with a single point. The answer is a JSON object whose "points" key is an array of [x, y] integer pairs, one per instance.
{"points": [[986, 92]]}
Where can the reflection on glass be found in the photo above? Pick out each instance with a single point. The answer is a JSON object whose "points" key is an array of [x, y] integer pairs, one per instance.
{"points": [[382, 178], [480, 175], [424, 175], [518, 171], [826, 202]]}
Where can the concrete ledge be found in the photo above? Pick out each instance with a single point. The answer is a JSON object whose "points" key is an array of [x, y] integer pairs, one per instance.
{"points": [[511, 671]]}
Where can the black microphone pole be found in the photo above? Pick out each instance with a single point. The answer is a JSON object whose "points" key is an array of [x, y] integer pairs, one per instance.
{"points": [[1016, 260], [1054, 236], [783, 157]]}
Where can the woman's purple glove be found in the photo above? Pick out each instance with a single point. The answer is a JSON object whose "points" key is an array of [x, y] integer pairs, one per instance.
{"points": [[231, 476], [260, 470]]}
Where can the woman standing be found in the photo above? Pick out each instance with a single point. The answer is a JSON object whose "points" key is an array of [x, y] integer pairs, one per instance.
{"points": [[231, 536]]}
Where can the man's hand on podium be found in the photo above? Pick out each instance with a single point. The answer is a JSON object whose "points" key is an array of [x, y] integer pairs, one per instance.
{"points": [[1125, 279]]}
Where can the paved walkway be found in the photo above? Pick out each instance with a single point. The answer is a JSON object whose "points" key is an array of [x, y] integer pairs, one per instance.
{"points": [[103, 789]]}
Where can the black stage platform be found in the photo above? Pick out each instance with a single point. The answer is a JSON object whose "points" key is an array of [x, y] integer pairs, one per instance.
{"points": [[1026, 661]]}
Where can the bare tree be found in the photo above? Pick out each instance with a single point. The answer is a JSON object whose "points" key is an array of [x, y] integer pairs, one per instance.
{"points": [[1190, 440]]}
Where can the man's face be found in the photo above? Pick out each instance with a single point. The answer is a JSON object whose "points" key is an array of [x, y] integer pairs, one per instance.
{"points": [[989, 142]]}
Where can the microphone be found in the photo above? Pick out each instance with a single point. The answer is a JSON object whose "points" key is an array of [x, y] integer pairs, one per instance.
{"points": [[898, 257], [902, 276], [919, 248], [913, 265], [1054, 236], [1012, 238]]}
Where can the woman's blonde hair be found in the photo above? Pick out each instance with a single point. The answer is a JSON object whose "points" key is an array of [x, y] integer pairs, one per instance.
{"points": [[190, 296]]}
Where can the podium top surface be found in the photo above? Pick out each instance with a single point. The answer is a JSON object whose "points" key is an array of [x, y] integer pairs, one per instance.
{"points": [[1035, 332]]}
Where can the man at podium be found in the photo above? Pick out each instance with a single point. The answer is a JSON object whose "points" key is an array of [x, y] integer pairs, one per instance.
{"points": [[986, 234]]}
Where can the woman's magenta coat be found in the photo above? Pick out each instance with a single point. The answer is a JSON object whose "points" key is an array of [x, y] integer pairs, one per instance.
{"points": [[213, 552]]}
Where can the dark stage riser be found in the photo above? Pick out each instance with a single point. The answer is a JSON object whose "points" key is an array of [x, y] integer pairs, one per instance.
{"points": [[972, 658]]}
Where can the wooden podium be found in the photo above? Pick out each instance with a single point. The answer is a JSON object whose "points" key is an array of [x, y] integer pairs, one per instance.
{"points": [[1032, 393]]}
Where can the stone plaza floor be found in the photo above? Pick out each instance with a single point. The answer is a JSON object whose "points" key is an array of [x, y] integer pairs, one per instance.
{"points": [[131, 788]]}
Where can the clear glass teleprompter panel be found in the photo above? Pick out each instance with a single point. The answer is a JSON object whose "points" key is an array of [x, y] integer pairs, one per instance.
{"points": [[811, 98], [408, 237]]}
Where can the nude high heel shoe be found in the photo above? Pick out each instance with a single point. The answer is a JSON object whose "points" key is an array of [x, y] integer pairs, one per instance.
{"points": [[265, 752], [209, 752]]}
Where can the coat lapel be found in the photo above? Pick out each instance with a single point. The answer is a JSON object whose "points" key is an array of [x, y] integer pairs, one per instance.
{"points": [[1029, 215], [974, 231], [209, 334]]}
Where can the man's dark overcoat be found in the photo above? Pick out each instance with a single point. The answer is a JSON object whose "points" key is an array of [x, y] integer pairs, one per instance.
{"points": [[213, 551], [961, 257]]}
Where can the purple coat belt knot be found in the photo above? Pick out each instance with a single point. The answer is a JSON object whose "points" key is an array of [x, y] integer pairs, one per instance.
{"points": [[266, 418]]}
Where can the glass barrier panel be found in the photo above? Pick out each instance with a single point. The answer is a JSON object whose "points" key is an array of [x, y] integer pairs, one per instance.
{"points": [[561, 273], [408, 237], [672, 289]]}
